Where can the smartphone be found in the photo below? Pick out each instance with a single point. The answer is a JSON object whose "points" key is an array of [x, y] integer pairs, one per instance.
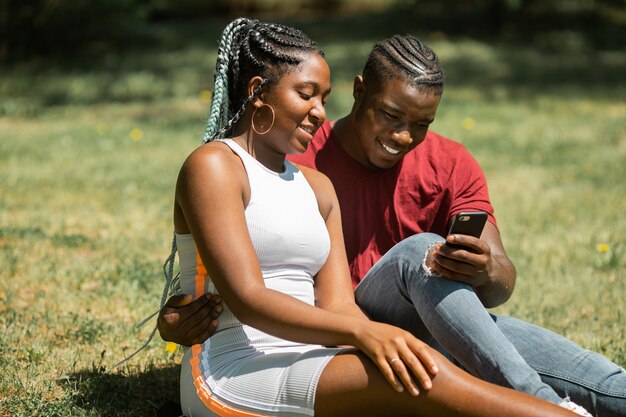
{"points": [[468, 223]]}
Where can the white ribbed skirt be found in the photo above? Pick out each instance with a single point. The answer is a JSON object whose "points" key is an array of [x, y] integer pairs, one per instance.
{"points": [[221, 379]]}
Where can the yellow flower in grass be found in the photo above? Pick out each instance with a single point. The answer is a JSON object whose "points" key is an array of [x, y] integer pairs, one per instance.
{"points": [[602, 247], [468, 123], [136, 134], [171, 347], [205, 96]]}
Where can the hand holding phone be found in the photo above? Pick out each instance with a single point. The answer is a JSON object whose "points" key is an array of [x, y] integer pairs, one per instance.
{"points": [[467, 223]]}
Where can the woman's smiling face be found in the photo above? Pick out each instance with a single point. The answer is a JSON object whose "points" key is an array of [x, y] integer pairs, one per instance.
{"points": [[298, 100]]}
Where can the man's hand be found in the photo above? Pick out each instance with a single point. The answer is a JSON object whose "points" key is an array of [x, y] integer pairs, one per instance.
{"points": [[186, 321], [469, 261], [481, 263]]}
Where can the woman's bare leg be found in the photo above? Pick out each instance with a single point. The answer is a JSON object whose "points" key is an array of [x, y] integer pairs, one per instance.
{"points": [[352, 385]]}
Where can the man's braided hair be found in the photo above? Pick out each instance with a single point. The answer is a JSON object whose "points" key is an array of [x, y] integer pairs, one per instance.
{"points": [[406, 57], [248, 48]]}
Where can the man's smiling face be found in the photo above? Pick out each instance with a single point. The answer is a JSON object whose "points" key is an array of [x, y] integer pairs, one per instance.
{"points": [[390, 118]]}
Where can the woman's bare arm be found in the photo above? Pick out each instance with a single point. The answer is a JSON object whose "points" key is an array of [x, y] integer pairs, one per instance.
{"points": [[211, 193]]}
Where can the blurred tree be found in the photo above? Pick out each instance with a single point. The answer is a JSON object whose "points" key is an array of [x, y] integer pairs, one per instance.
{"points": [[40, 27], [601, 22], [31, 28], [167, 9]]}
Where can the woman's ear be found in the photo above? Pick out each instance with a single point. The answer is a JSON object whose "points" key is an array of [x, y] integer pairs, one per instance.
{"points": [[253, 84]]}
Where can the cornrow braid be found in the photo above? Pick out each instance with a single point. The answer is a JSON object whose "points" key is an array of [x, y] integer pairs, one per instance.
{"points": [[275, 35], [247, 48], [230, 123], [219, 113], [405, 56], [267, 48], [250, 48]]}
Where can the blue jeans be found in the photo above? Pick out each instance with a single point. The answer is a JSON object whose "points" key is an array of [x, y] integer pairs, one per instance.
{"points": [[506, 351]]}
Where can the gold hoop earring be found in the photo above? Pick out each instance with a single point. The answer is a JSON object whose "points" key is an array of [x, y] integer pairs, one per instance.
{"points": [[254, 115]]}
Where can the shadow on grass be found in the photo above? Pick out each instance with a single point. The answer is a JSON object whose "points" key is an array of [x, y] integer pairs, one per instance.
{"points": [[129, 393]]}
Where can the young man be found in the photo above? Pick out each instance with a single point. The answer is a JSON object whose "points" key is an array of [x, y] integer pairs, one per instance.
{"points": [[399, 185]]}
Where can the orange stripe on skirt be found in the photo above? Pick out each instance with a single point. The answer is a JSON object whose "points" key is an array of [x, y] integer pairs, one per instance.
{"points": [[203, 393]]}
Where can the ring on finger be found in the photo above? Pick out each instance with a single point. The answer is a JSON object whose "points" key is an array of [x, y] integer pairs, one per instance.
{"points": [[393, 360]]}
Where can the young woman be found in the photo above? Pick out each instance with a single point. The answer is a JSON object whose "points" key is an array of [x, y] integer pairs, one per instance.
{"points": [[266, 235]]}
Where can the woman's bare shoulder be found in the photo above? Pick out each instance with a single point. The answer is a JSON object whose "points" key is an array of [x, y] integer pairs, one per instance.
{"points": [[316, 178], [212, 167], [212, 155], [322, 187]]}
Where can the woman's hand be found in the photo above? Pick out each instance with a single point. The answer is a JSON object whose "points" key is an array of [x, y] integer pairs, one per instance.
{"points": [[399, 355]]}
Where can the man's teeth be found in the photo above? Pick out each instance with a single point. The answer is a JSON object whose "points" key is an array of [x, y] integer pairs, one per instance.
{"points": [[307, 130], [390, 150]]}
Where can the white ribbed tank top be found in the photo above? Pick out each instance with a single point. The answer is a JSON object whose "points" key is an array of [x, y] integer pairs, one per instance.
{"points": [[240, 367], [287, 231]]}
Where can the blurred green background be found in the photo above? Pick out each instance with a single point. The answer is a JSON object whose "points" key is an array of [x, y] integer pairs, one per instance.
{"points": [[52, 27], [101, 101]]}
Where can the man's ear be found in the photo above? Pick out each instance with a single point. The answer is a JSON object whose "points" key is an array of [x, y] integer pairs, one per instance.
{"points": [[253, 84], [358, 88]]}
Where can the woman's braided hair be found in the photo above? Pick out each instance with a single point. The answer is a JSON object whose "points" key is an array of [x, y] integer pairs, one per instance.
{"points": [[405, 56], [247, 48]]}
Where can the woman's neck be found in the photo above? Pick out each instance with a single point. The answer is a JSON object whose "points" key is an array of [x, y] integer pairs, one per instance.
{"points": [[267, 156]]}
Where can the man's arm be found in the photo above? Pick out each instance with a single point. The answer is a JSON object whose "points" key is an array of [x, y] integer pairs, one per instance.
{"points": [[186, 321], [484, 265]]}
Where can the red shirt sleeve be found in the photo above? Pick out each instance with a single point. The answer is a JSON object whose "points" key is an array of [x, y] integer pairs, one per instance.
{"points": [[470, 187]]}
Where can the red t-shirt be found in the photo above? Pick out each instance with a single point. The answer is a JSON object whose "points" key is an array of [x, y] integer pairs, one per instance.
{"points": [[433, 182]]}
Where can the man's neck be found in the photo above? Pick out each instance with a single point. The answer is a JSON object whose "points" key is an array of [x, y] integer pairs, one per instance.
{"points": [[344, 133]]}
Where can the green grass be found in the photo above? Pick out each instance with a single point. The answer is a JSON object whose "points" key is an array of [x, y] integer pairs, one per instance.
{"points": [[85, 213]]}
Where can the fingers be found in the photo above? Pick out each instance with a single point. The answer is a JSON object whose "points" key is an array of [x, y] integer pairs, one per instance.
{"points": [[202, 330], [197, 309], [470, 243], [452, 271], [461, 261], [399, 367], [463, 254], [198, 314], [215, 304], [183, 300], [402, 372], [417, 364], [201, 307], [204, 322], [421, 362], [186, 321], [388, 372], [409, 365], [179, 300]]}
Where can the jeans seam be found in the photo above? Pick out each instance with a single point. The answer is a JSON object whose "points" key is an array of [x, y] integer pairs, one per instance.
{"points": [[581, 382]]}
